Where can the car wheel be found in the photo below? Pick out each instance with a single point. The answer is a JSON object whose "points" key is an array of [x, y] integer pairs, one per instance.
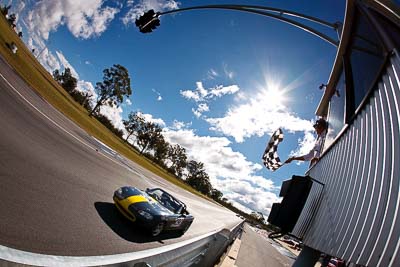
{"points": [[156, 230]]}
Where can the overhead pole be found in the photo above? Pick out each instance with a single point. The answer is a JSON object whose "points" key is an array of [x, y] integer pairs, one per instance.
{"points": [[274, 13]]}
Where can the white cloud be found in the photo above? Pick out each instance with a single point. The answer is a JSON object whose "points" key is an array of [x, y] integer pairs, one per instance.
{"points": [[212, 74], [37, 43], [144, 5], [201, 94], [254, 199], [214, 152], [305, 145], [19, 7], [48, 60], [66, 64], [84, 19], [150, 118], [230, 74], [85, 86], [190, 95], [229, 170], [178, 125], [159, 97], [220, 90], [128, 102], [114, 114], [257, 116], [201, 108], [196, 113]]}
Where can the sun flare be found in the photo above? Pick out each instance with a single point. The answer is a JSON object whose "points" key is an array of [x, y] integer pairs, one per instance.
{"points": [[274, 94]]}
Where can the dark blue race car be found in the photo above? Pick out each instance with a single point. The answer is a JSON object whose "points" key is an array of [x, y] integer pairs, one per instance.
{"points": [[154, 209]]}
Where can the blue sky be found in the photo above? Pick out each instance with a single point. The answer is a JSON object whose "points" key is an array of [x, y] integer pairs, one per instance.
{"points": [[219, 82]]}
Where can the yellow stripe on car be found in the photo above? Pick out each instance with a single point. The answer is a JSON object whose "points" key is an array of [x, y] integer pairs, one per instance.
{"points": [[123, 205], [132, 199]]}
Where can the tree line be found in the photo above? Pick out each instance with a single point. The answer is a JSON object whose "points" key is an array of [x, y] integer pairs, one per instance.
{"points": [[145, 136], [150, 142], [11, 18], [111, 91]]}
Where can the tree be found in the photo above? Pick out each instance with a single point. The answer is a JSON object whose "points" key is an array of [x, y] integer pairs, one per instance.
{"points": [[66, 80], [86, 101], [258, 216], [108, 123], [216, 194], [82, 98], [133, 124], [177, 155], [161, 150], [115, 85], [5, 10], [148, 136], [11, 20], [69, 83], [198, 178]]}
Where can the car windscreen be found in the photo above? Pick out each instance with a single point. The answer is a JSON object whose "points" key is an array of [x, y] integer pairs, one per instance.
{"points": [[166, 200], [130, 191]]}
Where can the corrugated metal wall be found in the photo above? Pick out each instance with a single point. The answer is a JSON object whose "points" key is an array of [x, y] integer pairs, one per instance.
{"points": [[357, 217]]}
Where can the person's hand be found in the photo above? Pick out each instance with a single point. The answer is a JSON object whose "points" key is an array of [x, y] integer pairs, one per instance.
{"points": [[289, 160]]}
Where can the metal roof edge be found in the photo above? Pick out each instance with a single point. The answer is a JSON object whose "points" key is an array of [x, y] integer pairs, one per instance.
{"points": [[322, 108]]}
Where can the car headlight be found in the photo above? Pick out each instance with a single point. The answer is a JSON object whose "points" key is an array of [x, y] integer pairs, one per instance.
{"points": [[118, 194], [145, 214]]}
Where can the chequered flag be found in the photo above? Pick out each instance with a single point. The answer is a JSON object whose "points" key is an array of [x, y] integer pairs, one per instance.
{"points": [[270, 157]]}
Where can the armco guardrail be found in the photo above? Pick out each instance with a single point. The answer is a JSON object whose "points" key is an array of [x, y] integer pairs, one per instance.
{"points": [[202, 251]]}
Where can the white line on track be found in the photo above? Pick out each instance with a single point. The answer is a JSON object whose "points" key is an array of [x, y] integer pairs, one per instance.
{"points": [[59, 126]]}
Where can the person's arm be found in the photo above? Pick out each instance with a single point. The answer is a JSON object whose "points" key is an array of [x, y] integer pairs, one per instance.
{"points": [[301, 158], [306, 157]]}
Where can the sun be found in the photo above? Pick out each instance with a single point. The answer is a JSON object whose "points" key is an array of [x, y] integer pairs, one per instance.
{"points": [[273, 94]]}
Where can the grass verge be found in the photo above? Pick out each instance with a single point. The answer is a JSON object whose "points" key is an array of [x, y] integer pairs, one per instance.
{"points": [[26, 65]]}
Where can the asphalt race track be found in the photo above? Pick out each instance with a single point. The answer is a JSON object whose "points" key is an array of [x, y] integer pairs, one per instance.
{"points": [[57, 184]]}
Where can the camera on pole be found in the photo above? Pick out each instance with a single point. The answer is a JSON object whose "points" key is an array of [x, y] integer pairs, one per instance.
{"points": [[148, 21]]}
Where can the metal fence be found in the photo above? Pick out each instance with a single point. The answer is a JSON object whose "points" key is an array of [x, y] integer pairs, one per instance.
{"points": [[202, 251]]}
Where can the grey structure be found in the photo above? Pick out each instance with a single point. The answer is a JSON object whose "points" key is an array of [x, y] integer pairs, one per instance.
{"points": [[356, 216]]}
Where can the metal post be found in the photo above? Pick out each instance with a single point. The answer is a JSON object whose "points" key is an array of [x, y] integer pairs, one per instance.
{"points": [[260, 10], [308, 257]]}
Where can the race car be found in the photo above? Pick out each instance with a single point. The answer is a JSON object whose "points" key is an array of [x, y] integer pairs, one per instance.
{"points": [[154, 209]]}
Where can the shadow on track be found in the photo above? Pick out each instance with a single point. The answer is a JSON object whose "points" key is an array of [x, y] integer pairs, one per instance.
{"points": [[127, 229]]}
